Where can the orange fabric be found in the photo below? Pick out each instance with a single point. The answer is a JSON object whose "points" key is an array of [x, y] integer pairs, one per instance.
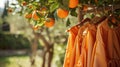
{"points": [[106, 48], [91, 46], [91, 37], [71, 39], [99, 52], [77, 47], [87, 46]]}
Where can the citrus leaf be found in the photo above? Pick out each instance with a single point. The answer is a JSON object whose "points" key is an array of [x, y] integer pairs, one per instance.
{"points": [[53, 7], [55, 16], [73, 12], [40, 24], [65, 2], [68, 22]]}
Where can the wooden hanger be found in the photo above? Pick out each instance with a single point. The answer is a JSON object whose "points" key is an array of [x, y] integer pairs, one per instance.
{"points": [[101, 19]]}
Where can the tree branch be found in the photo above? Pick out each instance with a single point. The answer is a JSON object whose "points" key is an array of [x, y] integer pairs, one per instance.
{"points": [[43, 39], [99, 9], [48, 34]]}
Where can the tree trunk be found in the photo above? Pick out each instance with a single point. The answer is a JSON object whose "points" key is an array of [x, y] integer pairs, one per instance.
{"points": [[34, 50], [44, 57], [47, 56], [51, 49], [48, 49]]}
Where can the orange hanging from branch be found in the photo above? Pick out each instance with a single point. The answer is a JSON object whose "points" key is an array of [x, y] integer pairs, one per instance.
{"points": [[85, 8], [62, 13], [28, 16], [50, 22], [34, 15], [73, 3], [113, 19]]}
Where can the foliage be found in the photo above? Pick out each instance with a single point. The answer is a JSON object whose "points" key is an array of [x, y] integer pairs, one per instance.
{"points": [[47, 8], [44, 9], [17, 41]]}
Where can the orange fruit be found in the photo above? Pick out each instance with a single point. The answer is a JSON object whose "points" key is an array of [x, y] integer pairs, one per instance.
{"points": [[113, 19], [73, 3], [85, 8], [50, 22], [61, 13], [43, 11], [24, 3], [34, 15], [28, 16]]}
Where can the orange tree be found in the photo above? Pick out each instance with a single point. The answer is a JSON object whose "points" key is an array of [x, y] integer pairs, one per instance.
{"points": [[44, 13], [38, 11]]}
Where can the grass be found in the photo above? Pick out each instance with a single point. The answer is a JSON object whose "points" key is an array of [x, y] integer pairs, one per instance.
{"points": [[18, 61]]}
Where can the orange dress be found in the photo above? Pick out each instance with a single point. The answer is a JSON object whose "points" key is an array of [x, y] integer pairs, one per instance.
{"points": [[71, 39]]}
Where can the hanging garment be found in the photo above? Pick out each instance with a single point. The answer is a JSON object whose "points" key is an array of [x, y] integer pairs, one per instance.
{"points": [[77, 46], [71, 39], [93, 46], [105, 51], [99, 58], [115, 59], [89, 37]]}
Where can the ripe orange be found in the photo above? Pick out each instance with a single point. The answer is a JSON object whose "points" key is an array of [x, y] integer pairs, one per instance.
{"points": [[34, 15], [24, 3], [28, 16], [43, 11], [61, 13], [73, 3], [50, 22], [113, 19], [85, 8]]}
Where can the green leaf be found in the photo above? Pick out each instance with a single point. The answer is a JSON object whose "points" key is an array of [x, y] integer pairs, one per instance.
{"points": [[13, 4], [53, 7], [50, 1], [55, 16], [68, 22], [40, 24], [38, 14], [73, 12], [65, 2]]}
